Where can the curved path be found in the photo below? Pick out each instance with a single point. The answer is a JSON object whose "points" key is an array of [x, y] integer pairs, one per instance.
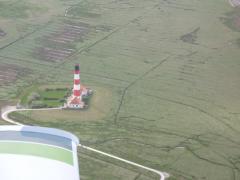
{"points": [[9, 109]]}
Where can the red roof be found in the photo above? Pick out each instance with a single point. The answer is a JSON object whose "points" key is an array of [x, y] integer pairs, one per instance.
{"points": [[76, 100]]}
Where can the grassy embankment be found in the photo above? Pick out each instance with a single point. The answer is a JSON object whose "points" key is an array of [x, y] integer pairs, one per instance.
{"points": [[41, 97]]}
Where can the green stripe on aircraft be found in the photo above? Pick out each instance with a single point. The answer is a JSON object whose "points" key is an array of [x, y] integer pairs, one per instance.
{"points": [[39, 150]]}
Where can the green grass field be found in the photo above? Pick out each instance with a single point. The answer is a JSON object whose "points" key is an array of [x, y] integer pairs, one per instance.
{"points": [[45, 96], [165, 76]]}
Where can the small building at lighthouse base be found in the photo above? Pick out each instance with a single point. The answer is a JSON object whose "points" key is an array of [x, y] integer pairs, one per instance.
{"points": [[77, 102]]}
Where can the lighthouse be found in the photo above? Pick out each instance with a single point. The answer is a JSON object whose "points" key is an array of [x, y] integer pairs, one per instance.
{"points": [[77, 85], [75, 101]]}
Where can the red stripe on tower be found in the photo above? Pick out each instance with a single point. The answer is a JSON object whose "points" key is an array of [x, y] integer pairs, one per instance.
{"points": [[76, 81], [77, 86]]}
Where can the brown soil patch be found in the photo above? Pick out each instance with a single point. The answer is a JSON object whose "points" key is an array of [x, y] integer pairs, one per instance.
{"points": [[191, 37], [10, 73], [2, 33], [59, 44]]}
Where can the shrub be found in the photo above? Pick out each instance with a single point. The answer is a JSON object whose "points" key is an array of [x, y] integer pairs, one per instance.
{"points": [[49, 99], [32, 97], [62, 100], [61, 89], [37, 104]]}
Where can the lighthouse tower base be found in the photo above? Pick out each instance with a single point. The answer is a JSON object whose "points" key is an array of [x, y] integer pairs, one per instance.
{"points": [[76, 102]]}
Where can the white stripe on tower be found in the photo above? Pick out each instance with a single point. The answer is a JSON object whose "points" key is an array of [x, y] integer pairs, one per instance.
{"points": [[76, 76], [76, 87]]}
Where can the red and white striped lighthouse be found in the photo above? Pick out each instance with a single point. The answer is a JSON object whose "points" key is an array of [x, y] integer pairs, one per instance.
{"points": [[75, 101], [77, 85]]}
